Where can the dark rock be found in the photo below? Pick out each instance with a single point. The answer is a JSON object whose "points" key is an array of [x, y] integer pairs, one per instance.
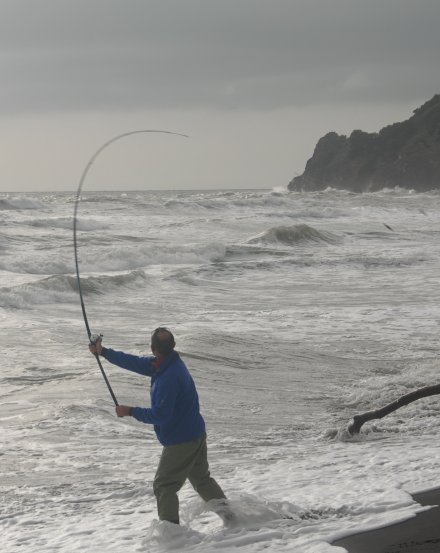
{"points": [[405, 154]]}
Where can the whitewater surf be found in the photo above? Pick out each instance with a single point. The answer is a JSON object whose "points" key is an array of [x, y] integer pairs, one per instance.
{"points": [[286, 337]]}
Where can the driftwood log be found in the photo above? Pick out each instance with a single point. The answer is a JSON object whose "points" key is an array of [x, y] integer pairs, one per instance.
{"points": [[359, 420]]}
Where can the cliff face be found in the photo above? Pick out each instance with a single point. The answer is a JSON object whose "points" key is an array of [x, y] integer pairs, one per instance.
{"points": [[405, 154]]}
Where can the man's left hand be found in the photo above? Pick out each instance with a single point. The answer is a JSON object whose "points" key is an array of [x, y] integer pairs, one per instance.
{"points": [[123, 410]]}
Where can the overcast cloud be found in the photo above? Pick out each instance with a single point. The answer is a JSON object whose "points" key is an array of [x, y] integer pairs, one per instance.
{"points": [[207, 64]]}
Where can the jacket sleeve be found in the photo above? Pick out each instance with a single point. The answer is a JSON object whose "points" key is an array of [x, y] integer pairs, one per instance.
{"points": [[162, 407], [138, 364]]}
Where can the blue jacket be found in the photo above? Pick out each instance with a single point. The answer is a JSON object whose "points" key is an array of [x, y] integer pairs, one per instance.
{"points": [[175, 410]]}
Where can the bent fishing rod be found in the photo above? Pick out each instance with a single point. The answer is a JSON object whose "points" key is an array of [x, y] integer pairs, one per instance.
{"points": [[93, 338]]}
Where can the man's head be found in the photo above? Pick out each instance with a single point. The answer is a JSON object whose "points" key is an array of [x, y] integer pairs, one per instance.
{"points": [[162, 342]]}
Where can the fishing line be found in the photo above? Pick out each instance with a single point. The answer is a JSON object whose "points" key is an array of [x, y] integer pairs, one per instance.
{"points": [[92, 339]]}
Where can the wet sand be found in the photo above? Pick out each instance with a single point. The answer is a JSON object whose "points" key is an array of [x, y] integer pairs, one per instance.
{"points": [[420, 534]]}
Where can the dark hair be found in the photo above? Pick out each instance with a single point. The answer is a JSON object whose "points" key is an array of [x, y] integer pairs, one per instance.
{"points": [[162, 341]]}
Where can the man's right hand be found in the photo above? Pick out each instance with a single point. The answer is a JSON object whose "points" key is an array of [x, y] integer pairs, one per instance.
{"points": [[96, 347]]}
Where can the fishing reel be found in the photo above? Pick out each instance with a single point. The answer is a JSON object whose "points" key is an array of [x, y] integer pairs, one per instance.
{"points": [[94, 338]]}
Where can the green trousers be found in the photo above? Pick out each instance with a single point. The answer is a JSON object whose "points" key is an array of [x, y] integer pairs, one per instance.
{"points": [[177, 463]]}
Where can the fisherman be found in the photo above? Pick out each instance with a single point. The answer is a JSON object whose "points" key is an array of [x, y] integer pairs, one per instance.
{"points": [[179, 426]]}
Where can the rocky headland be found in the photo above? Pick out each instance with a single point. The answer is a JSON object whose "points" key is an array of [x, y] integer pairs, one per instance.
{"points": [[405, 154]]}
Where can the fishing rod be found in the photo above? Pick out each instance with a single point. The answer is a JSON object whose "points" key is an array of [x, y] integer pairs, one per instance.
{"points": [[93, 338]]}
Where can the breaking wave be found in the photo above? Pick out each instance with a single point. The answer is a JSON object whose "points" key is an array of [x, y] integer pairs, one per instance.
{"points": [[20, 203], [36, 266], [118, 258], [123, 258], [291, 235], [64, 288]]}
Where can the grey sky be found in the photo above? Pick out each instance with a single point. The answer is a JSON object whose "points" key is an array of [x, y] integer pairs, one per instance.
{"points": [[255, 83]]}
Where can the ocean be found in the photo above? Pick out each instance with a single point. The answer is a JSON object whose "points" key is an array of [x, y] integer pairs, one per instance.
{"points": [[293, 312]]}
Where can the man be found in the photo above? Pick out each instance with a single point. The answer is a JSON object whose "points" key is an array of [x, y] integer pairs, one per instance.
{"points": [[179, 426]]}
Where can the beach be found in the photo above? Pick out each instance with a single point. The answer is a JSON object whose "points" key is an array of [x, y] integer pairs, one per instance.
{"points": [[293, 312], [420, 534]]}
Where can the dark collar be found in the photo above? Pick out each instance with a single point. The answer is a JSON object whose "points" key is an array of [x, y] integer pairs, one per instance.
{"points": [[162, 363]]}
